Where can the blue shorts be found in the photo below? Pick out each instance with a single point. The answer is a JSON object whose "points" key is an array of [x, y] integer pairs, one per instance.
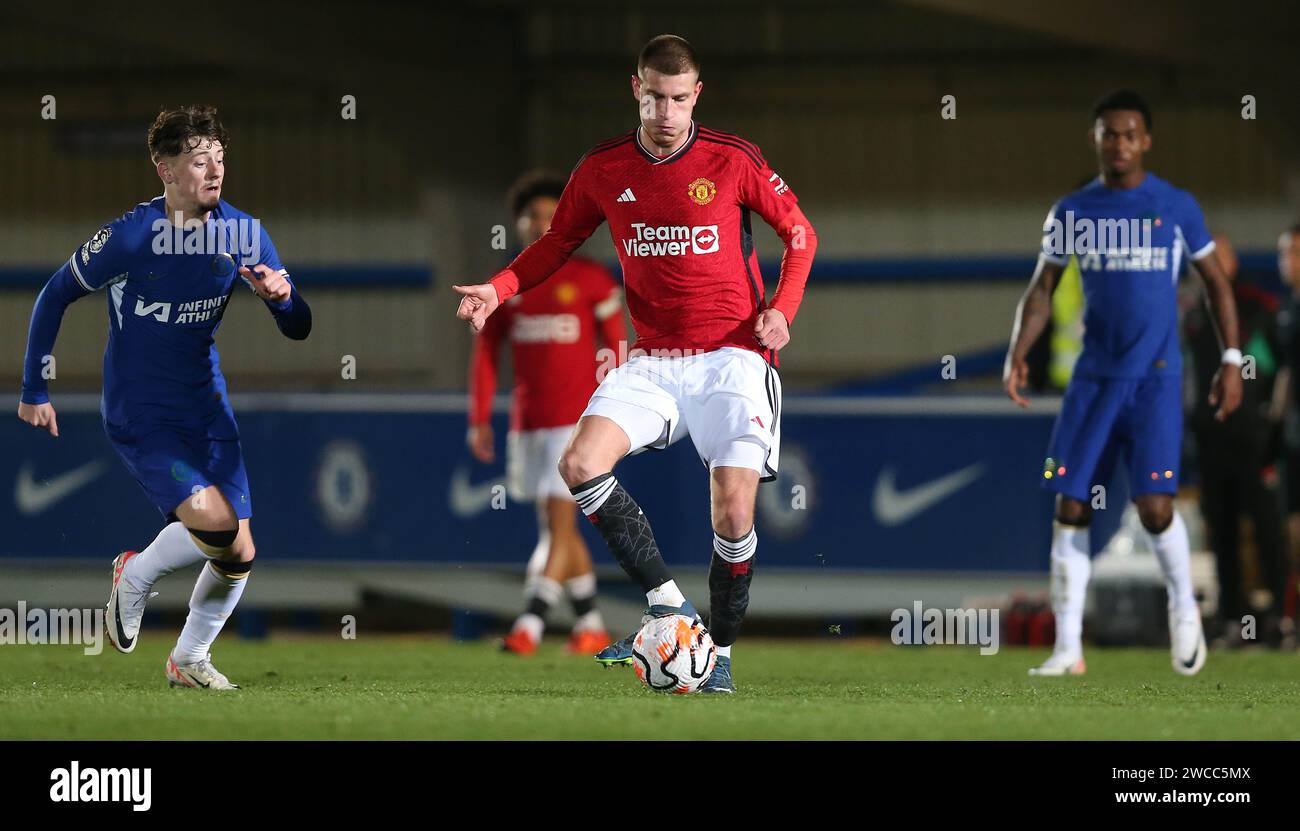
{"points": [[172, 464], [1102, 416]]}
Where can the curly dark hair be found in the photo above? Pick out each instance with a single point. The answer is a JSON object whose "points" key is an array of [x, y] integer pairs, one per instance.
{"points": [[1123, 99], [180, 130], [532, 185]]}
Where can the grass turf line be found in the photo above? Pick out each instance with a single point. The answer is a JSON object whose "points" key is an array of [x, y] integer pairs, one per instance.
{"points": [[382, 687]]}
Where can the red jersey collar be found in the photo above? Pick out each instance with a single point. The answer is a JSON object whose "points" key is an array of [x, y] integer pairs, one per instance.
{"points": [[672, 157]]}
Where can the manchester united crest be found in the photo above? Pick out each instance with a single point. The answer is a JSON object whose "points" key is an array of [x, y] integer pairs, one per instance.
{"points": [[702, 191], [566, 293]]}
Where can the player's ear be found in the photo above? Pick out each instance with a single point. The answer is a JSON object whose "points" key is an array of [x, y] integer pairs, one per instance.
{"points": [[636, 88], [164, 171], [1146, 142]]}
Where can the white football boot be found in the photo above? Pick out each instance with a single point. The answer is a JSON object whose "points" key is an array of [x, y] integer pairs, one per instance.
{"points": [[125, 607], [1061, 663], [200, 674], [1187, 643]]}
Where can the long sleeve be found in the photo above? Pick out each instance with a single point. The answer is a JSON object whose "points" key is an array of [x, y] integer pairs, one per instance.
{"points": [[577, 216], [293, 316], [47, 315], [483, 364], [764, 191], [796, 263]]}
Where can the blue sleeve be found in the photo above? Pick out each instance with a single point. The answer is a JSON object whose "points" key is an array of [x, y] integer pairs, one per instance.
{"points": [[100, 260], [61, 290], [293, 316], [1191, 227], [1056, 249]]}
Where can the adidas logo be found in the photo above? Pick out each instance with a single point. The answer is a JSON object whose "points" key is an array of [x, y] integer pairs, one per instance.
{"points": [[626, 196]]}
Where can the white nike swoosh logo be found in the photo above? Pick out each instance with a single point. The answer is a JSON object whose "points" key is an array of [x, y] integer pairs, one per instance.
{"points": [[33, 497], [467, 499], [894, 507]]}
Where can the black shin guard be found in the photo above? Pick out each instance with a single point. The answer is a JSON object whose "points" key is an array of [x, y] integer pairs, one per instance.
{"points": [[625, 529], [728, 598]]}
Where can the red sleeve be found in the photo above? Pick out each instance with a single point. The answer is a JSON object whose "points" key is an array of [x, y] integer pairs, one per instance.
{"points": [[577, 216], [766, 193], [483, 364], [607, 307]]}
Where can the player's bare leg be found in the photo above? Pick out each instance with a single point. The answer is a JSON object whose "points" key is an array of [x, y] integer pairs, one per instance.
{"points": [[573, 571], [227, 542], [541, 589], [1168, 537], [587, 467], [1071, 568], [733, 491]]}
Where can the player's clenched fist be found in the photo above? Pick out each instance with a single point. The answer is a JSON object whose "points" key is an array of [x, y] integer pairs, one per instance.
{"points": [[476, 303], [1015, 376], [771, 330], [40, 415], [267, 282]]}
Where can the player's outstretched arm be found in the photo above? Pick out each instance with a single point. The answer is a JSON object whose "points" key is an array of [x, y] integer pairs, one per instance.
{"points": [[1225, 389], [291, 312], [1032, 314], [60, 291]]}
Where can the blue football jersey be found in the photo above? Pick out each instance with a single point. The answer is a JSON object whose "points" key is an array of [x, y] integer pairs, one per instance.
{"points": [[167, 289], [1131, 245]]}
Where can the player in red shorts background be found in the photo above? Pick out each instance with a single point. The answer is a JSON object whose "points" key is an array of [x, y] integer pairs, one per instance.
{"points": [[552, 336], [677, 198]]}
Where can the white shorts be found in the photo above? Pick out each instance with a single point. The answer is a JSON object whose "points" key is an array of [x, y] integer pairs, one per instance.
{"points": [[532, 463], [727, 400]]}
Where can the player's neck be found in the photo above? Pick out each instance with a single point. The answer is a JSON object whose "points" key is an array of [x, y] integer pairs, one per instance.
{"points": [[180, 216], [1124, 181], [654, 149]]}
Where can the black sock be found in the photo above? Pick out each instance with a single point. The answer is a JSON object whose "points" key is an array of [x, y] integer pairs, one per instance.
{"points": [[729, 588], [582, 605], [625, 529], [538, 606]]}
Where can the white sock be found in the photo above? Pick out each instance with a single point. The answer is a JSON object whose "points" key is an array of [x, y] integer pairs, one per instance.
{"points": [[724, 651], [1071, 568], [666, 595], [215, 596], [582, 594], [582, 586], [1174, 552], [590, 622], [542, 593], [530, 623], [171, 550]]}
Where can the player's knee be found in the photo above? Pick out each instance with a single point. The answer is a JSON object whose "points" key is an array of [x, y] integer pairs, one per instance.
{"points": [[1073, 512], [734, 517], [216, 545], [578, 465], [245, 552], [1155, 514]]}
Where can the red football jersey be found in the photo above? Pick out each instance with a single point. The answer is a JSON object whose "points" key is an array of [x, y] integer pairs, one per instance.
{"points": [[552, 333], [681, 227]]}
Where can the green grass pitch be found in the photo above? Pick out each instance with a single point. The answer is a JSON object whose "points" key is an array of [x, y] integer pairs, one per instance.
{"points": [[409, 687]]}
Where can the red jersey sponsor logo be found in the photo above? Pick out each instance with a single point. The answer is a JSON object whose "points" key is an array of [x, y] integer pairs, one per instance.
{"points": [[670, 240]]}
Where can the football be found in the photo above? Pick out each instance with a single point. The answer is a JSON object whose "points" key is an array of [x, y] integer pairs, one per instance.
{"points": [[673, 654]]}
